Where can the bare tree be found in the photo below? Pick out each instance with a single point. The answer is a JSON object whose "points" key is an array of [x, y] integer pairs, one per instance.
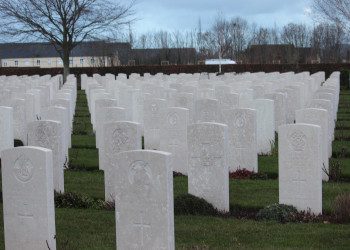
{"points": [[63, 23], [296, 34], [326, 41], [238, 28], [337, 11]]}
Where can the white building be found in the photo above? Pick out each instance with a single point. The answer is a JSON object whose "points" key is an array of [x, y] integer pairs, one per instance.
{"points": [[44, 55], [219, 61]]}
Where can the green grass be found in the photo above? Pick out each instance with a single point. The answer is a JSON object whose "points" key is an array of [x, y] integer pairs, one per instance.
{"points": [[95, 229], [88, 183], [243, 193], [83, 141], [217, 233], [85, 159]]}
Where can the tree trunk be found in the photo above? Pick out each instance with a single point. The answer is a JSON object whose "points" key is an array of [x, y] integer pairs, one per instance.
{"points": [[65, 67]]}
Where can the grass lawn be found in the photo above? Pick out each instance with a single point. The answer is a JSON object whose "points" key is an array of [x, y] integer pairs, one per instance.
{"points": [[95, 229]]}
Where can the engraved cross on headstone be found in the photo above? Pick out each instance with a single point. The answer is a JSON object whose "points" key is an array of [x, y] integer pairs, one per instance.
{"points": [[299, 181], [142, 226]]}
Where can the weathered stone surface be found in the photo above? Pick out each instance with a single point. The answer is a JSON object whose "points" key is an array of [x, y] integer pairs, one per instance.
{"points": [[6, 128], [174, 138], [300, 175], [19, 120], [48, 134], [242, 139], [265, 125], [208, 172], [317, 117], [207, 110], [118, 137], [154, 117], [28, 199], [144, 201]]}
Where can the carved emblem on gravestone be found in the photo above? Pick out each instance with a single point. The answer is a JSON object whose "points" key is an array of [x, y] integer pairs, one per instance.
{"points": [[23, 169], [119, 138], [43, 133], [140, 178], [297, 141], [240, 120], [154, 108], [173, 118]]}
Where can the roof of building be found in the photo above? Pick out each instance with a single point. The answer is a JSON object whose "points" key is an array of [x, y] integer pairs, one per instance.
{"points": [[219, 61], [40, 50]]}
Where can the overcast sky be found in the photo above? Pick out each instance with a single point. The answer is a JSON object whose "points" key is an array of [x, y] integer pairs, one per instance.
{"points": [[174, 15]]}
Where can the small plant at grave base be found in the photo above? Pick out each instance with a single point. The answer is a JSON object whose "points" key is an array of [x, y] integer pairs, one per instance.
{"points": [[177, 174], [285, 213], [241, 174], [341, 208], [277, 212], [274, 146], [192, 205], [262, 176], [18, 143], [73, 200], [308, 217], [335, 170]]}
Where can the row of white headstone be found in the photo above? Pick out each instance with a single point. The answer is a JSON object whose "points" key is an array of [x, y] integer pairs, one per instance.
{"points": [[144, 204], [211, 137], [142, 180], [39, 112]]}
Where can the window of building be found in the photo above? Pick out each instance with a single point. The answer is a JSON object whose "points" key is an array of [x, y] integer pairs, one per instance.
{"points": [[5, 64], [81, 61], [92, 61], [70, 62], [49, 61], [38, 62], [16, 63], [27, 63]]}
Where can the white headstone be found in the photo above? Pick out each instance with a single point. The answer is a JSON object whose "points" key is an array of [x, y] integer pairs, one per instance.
{"points": [[118, 137], [144, 201], [207, 110], [185, 100], [173, 138], [6, 128], [28, 199], [242, 139], [265, 124], [317, 117], [300, 175], [208, 171], [100, 105], [19, 120], [327, 105], [48, 134], [154, 118], [61, 115], [109, 114], [279, 107]]}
